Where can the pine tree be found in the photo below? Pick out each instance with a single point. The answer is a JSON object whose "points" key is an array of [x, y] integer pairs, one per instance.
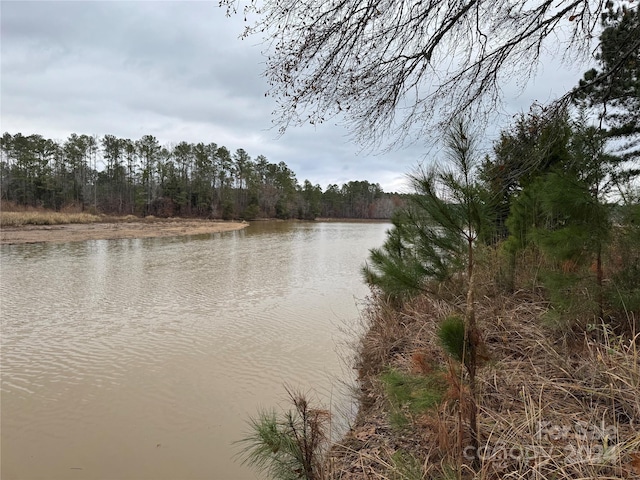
{"points": [[613, 88], [565, 212], [436, 236]]}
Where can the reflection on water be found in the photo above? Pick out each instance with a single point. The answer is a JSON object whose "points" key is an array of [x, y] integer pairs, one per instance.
{"points": [[136, 359]]}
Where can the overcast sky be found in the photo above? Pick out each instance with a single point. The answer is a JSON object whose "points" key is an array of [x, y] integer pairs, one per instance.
{"points": [[178, 71]]}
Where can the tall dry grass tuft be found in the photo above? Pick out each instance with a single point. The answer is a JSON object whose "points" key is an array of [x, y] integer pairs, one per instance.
{"points": [[18, 219], [14, 215]]}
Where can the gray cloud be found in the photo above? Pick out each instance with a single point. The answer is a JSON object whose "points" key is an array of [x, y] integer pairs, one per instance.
{"points": [[178, 70]]}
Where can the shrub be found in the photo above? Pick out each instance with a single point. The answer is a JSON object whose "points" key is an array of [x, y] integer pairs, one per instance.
{"points": [[291, 447]]}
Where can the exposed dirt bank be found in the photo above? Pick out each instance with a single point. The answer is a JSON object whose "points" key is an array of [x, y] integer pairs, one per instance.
{"points": [[109, 231]]}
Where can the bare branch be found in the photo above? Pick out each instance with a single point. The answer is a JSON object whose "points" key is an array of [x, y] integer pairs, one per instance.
{"points": [[394, 67]]}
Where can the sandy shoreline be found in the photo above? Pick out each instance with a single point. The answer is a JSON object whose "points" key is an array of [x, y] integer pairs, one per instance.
{"points": [[77, 232]]}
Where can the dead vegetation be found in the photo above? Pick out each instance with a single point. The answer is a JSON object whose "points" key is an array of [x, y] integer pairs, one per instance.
{"points": [[13, 215], [19, 219], [550, 406]]}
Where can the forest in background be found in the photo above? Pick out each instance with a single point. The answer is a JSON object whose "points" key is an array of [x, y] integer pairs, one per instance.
{"points": [[142, 177]]}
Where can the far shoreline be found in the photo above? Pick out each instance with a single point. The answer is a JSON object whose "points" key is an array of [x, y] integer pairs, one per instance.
{"points": [[78, 232]]}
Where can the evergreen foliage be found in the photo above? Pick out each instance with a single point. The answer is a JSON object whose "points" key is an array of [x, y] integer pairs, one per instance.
{"points": [[577, 223], [435, 237], [431, 238], [613, 87], [291, 447], [415, 251], [536, 143], [566, 213], [452, 337], [121, 176], [525, 216], [623, 291]]}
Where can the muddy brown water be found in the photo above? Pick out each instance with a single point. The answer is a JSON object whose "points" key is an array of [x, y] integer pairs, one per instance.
{"points": [[143, 359]]}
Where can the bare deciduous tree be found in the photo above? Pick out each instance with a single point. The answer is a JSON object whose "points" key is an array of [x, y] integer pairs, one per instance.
{"points": [[391, 66]]}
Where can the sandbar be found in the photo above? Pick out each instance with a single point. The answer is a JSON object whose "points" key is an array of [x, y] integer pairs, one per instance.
{"points": [[76, 232]]}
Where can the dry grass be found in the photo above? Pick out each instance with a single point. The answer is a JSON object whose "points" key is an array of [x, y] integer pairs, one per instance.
{"points": [[551, 410], [549, 407], [18, 219], [12, 215]]}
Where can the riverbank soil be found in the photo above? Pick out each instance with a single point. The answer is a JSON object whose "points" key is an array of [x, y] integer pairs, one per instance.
{"points": [[146, 228], [549, 405]]}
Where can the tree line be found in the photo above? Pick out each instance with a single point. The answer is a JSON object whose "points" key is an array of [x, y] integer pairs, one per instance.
{"points": [[141, 177]]}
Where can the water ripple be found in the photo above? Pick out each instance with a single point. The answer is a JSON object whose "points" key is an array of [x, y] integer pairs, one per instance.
{"points": [[175, 341]]}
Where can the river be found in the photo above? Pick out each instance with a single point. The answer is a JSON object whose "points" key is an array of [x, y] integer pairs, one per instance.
{"points": [[144, 359]]}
